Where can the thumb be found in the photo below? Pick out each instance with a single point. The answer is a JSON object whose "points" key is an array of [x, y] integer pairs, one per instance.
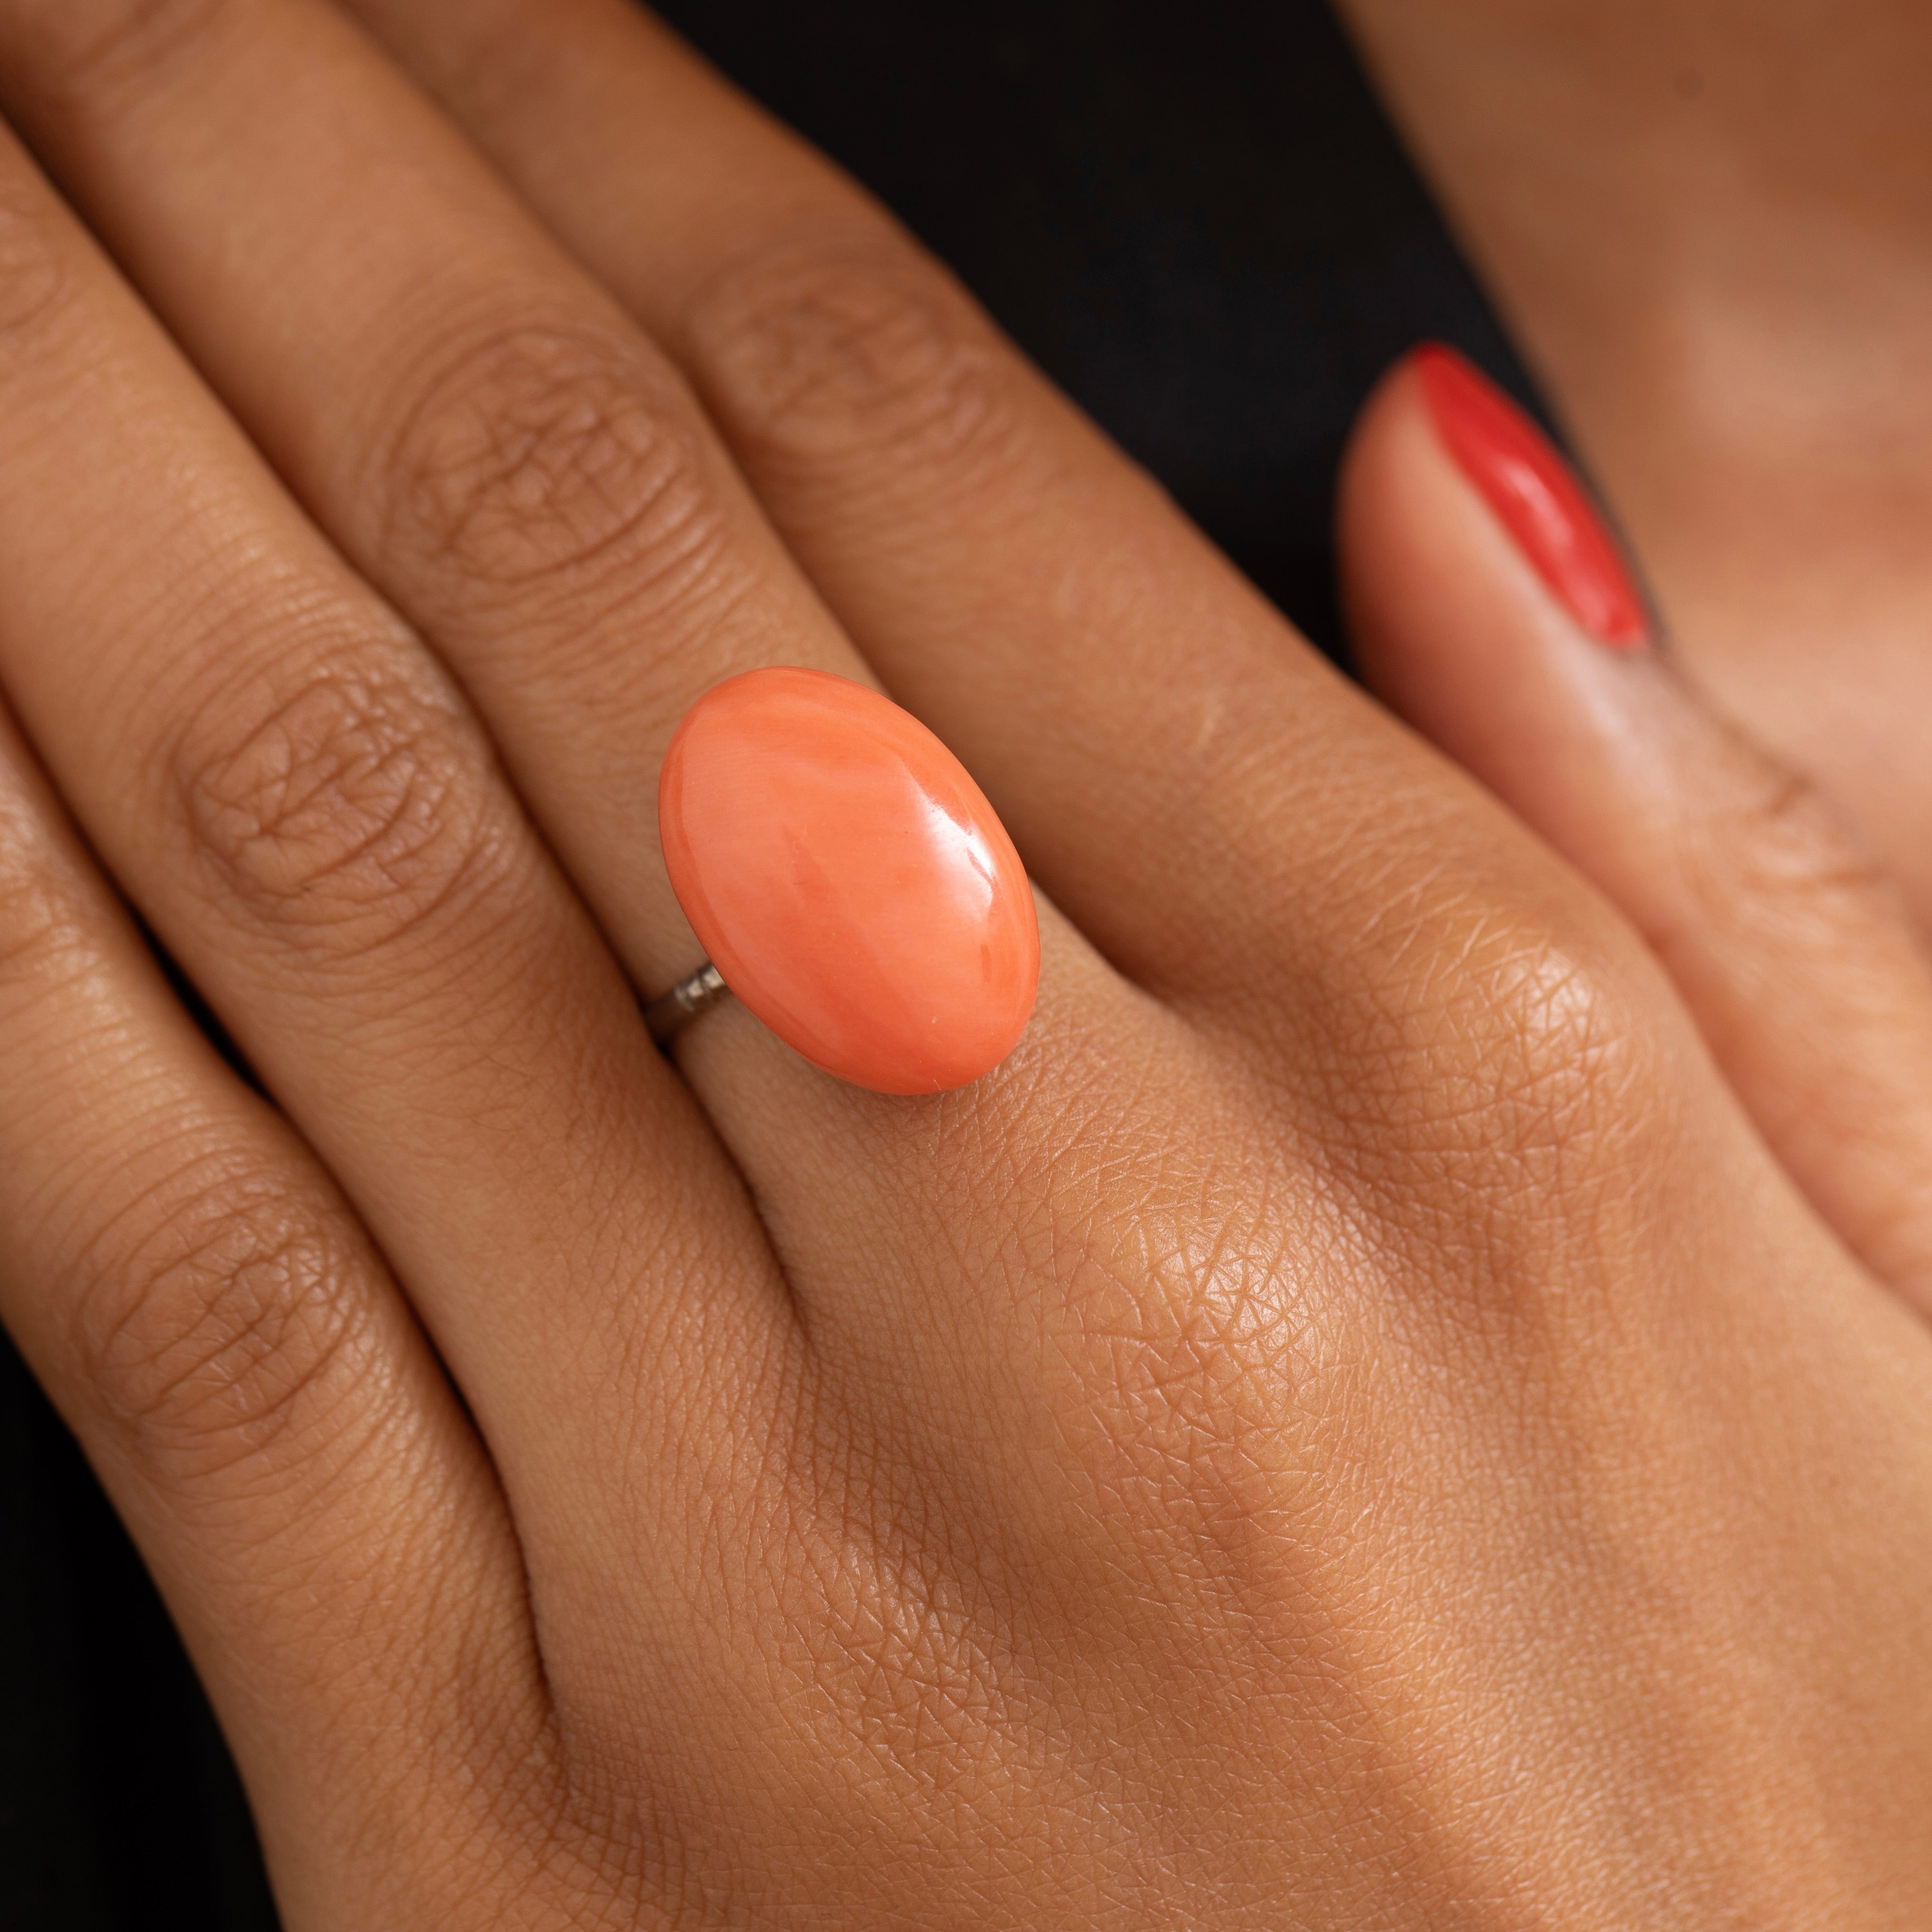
{"points": [[1492, 609]]}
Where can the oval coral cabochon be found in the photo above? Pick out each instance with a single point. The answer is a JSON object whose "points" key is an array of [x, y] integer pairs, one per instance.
{"points": [[850, 881]]}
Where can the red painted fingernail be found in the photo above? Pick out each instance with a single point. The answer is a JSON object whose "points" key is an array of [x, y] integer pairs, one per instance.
{"points": [[1536, 496]]}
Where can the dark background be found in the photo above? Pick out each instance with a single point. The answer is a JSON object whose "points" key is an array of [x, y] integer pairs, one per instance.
{"points": [[1198, 221]]}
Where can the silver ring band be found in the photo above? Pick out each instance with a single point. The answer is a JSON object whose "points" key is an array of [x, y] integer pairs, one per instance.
{"points": [[670, 1015]]}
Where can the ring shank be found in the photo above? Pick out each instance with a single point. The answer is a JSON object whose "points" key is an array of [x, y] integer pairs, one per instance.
{"points": [[669, 1014]]}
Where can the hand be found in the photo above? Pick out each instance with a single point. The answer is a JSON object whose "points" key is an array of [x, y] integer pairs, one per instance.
{"points": [[1352, 1423], [1701, 220]]}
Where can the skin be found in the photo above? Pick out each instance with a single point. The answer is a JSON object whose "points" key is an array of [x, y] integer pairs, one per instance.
{"points": [[1401, 1405], [1708, 223]]}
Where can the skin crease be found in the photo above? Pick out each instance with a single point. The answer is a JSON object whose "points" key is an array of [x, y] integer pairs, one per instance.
{"points": [[1374, 1418], [1709, 224]]}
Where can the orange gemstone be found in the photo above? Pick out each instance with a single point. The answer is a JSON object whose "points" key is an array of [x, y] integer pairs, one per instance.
{"points": [[849, 881]]}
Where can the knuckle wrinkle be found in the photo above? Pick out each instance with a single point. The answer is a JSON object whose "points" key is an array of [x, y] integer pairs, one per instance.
{"points": [[1793, 845], [354, 804], [1504, 1049], [814, 352], [228, 1320], [39, 925], [541, 455]]}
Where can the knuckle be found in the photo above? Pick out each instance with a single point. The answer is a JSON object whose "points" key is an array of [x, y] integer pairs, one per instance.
{"points": [[225, 1325], [542, 456], [43, 933], [1559, 1053], [357, 806], [1182, 1335], [77, 52], [1498, 1088], [817, 352], [1159, 1264], [44, 944], [1777, 845]]}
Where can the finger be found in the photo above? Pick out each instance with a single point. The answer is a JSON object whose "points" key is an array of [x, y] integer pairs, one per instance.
{"points": [[531, 482], [310, 817], [481, 430], [583, 653], [217, 1330], [1142, 721], [587, 584], [1532, 666]]}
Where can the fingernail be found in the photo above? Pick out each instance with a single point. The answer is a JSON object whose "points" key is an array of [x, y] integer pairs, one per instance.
{"points": [[1536, 496]]}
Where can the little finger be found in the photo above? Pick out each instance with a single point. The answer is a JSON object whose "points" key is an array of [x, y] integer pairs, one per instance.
{"points": [[218, 1330]]}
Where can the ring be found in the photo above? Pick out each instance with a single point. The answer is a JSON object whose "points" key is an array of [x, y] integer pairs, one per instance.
{"points": [[848, 881]]}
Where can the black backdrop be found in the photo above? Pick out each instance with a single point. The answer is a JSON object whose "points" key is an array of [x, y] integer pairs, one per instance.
{"points": [[1197, 220]]}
